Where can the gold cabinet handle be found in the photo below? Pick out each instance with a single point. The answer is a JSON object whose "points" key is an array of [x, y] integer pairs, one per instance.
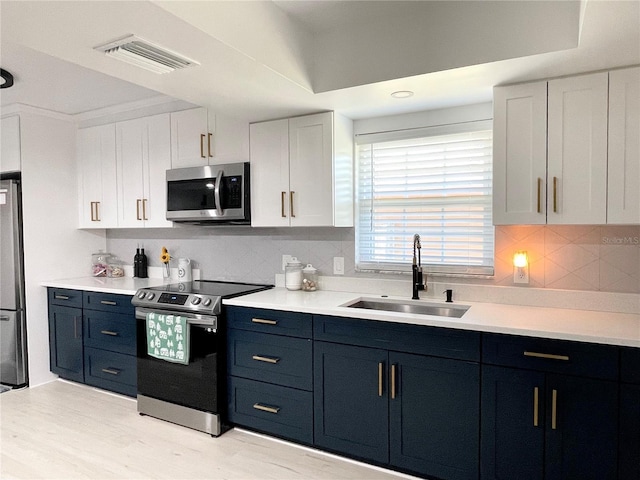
{"points": [[97, 211], [554, 409], [546, 355], [109, 332], [61, 297], [202, 146], [261, 358], [266, 408], [209, 144], [111, 371], [108, 302], [555, 194], [291, 204], [393, 381], [93, 218], [535, 406], [380, 367], [264, 322], [283, 194], [75, 327], [138, 201], [539, 196], [144, 209]]}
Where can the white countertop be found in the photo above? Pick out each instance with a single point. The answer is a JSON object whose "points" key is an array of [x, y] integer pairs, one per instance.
{"points": [[560, 323]]}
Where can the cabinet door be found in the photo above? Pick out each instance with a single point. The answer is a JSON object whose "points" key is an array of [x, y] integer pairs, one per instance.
{"points": [[231, 141], [434, 413], [143, 157], [10, 144], [351, 408], [581, 428], [270, 174], [97, 192], [512, 432], [629, 432], [623, 194], [311, 170], [520, 154], [190, 138], [577, 150], [65, 342]]}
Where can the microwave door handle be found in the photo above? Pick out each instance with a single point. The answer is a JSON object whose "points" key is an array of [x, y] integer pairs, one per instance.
{"points": [[216, 193]]}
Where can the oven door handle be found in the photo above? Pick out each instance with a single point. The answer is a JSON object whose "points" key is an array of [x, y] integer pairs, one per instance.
{"points": [[192, 318]]}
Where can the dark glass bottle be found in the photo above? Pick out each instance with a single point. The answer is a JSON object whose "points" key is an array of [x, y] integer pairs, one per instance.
{"points": [[142, 272], [136, 263]]}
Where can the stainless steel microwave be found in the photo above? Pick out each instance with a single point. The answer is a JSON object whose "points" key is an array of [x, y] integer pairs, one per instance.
{"points": [[209, 194]]}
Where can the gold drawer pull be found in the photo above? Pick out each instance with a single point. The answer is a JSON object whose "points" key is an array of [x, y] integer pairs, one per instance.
{"points": [[554, 409], [108, 302], [111, 371], [266, 359], [535, 406], [265, 408], [546, 355], [61, 297], [263, 321], [109, 332]]}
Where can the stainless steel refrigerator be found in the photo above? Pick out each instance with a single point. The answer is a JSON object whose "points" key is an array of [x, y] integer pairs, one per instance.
{"points": [[13, 335]]}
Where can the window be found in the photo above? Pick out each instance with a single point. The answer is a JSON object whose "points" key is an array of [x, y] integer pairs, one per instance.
{"points": [[435, 182]]}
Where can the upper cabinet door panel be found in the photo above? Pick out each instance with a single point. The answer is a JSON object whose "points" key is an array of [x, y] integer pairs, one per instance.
{"points": [[623, 194], [270, 174], [577, 150], [190, 138], [520, 154], [155, 168], [132, 147], [311, 170]]}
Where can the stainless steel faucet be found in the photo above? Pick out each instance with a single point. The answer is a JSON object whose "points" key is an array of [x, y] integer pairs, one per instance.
{"points": [[418, 283]]}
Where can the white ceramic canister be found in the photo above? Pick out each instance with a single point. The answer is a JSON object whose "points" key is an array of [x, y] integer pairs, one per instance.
{"points": [[293, 274], [184, 270]]}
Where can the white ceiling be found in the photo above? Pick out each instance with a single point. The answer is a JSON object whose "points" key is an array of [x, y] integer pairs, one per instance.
{"points": [[268, 59]]}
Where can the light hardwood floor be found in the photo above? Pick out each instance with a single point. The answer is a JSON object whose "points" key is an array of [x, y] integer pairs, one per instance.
{"points": [[64, 430]]}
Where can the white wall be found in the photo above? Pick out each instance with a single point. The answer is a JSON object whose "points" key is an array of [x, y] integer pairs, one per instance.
{"points": [[54, 248]]}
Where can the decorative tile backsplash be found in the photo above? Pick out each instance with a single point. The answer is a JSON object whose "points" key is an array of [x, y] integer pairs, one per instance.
{"points": [[598, 258]]}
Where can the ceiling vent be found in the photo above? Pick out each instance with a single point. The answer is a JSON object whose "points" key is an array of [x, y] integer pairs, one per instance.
{"points": [[144, 54]]}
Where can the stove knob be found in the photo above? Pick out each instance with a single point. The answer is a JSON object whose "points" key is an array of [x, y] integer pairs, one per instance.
{"points": [[207, 302], [195, 301], [151, 296], [141, 295]]}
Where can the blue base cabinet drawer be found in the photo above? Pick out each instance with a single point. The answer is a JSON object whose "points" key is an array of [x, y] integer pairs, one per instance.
{"points": [[110, 331], [281, 411], [64, 297], [108, 302], [291, 324], [110, 370], [275, 359]]}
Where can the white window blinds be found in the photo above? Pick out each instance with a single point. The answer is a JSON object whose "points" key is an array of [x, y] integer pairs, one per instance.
{"points": [[435, 182]]}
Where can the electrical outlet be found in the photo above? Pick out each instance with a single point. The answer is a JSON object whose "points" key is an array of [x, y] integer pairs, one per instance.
{"points": [[521, 275], [286, 259], [338, 265]]}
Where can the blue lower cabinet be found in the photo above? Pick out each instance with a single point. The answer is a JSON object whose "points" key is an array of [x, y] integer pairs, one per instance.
{"points": [[434, 408], [351, 404], [537, 425], [65, 342], [110, 370], [281, 411], [629, 432]]}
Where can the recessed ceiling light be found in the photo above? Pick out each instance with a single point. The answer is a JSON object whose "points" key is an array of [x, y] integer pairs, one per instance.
{"points": [[402, 94]]}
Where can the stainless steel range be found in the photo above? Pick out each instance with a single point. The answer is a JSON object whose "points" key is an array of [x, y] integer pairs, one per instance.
{"points": [[190, 392]]}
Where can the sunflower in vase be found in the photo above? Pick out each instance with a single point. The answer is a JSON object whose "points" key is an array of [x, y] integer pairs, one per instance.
{"points": [[165, 258]]}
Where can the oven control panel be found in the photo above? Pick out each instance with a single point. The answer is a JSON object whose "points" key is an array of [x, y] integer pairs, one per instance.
{"points": [[186, 302]]}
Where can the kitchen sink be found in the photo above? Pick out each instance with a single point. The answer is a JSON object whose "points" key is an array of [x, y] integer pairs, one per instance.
{"points": [[435, 309]]}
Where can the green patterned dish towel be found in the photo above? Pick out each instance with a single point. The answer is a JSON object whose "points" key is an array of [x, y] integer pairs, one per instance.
{"points": [[168, 337]]}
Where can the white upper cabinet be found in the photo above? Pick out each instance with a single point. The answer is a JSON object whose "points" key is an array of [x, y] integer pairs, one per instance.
{"points": [[302, 172], [623, 204], [10, 144], [520, 154], [143, 157], [577, 150], [198, 138], [97, 194], [550, 152]]}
